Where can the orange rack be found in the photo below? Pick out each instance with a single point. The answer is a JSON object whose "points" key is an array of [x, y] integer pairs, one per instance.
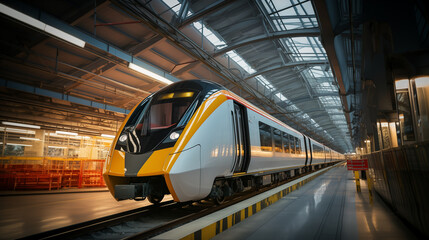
{"points": [[50, 173]]}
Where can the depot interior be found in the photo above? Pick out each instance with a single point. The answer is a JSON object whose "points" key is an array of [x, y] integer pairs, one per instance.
{"points": [[350, 74]]}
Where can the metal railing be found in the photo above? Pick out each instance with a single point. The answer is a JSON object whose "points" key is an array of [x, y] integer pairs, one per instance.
{"points": [[401, 178]]}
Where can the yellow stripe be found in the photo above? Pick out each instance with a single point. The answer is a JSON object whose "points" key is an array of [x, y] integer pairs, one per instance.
{"points": [[117, 167], [229, 221], [209, 231], [170, 187], [189, 237], [199, 117], [153, 166]]}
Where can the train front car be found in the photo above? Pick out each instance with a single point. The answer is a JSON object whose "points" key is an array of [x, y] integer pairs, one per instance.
{"points": [[157, 150]]}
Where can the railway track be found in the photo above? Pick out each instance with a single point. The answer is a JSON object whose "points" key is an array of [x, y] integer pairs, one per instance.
{"points": [[148, 221]]}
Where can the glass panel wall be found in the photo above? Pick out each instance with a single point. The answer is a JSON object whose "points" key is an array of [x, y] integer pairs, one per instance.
{"points": [[15, 141]]}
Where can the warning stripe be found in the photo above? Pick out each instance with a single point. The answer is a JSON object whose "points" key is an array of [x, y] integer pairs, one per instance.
{"points": [[213, 229]]}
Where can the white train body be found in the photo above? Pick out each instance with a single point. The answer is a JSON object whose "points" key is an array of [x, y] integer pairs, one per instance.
{"points": [[224, 141]]}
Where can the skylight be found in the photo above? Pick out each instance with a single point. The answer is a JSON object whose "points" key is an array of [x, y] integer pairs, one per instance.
{"points": [[174, 5], [281, 15], [217, 42]]}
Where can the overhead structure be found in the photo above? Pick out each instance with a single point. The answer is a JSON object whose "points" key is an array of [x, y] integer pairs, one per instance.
{"points": [[273, 50], [269, 52]]}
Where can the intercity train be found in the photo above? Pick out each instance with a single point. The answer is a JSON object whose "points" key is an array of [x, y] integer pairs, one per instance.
{"points": [[195, 140]]}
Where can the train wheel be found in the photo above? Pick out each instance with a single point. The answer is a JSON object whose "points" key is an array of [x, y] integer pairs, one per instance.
{"points": [[155, 199], [220, 197]]}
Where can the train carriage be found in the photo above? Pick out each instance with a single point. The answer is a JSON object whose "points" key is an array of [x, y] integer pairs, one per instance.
{"points": [[194, 139]]}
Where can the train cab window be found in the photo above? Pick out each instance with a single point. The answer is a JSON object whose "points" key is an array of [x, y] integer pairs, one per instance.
{"points": [[266, 137], [277, 140], [169, 109], [286, 146], [298, 145], [292, 144]]}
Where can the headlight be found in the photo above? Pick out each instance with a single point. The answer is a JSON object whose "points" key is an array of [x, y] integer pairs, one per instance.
{"points": [[174, 135], [172, 138], [123, 138]]}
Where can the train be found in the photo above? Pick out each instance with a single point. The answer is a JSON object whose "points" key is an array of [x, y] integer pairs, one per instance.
{"points": [[196, 140]]}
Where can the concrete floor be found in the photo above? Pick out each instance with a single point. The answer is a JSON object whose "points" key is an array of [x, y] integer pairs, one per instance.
{"points": [[25, 215]]}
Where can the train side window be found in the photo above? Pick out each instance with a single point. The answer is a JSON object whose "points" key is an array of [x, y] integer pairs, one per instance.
{"points": [[266, 137], [317, 151], [286, 146], [277, 140], [292, 144], [298, 145]]}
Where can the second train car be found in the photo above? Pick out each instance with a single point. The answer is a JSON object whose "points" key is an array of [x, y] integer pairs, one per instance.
{"points": [[195, 139]]}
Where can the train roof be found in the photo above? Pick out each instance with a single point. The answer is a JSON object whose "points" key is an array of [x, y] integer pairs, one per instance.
{"points": [[197, 84]]}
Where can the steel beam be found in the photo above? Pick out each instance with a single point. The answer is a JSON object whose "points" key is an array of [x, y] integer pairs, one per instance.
{"points": [[293, 16], [209, 9], [327, 32], [287, 65], [308, 32]]}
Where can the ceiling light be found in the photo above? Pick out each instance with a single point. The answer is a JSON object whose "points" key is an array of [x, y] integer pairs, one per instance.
{"points": [[107, 136], [28, 138], [19, 144], [65, 36], [56, 147], [41, 25], [66, 133], [17, 130], [149, 73], [21, 125]]}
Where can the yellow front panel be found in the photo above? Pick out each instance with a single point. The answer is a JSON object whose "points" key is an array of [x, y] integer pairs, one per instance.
{"points": [[117, 163], [154, 164]]}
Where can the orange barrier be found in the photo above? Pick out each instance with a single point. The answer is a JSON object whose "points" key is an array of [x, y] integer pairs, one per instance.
{"points": [[37, 181], [50, 173]]}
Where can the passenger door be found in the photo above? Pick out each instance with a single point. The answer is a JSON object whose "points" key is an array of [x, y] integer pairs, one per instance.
{"points": [[310, 152], [241, 138], [306, 150]]}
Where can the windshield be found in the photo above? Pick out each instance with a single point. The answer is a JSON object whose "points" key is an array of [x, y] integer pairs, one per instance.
{"points": [[168, 114], [165, 111], [152, 121]]}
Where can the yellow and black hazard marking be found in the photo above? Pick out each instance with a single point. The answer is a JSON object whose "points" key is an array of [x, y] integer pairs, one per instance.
{"points": [[229, 221]]}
